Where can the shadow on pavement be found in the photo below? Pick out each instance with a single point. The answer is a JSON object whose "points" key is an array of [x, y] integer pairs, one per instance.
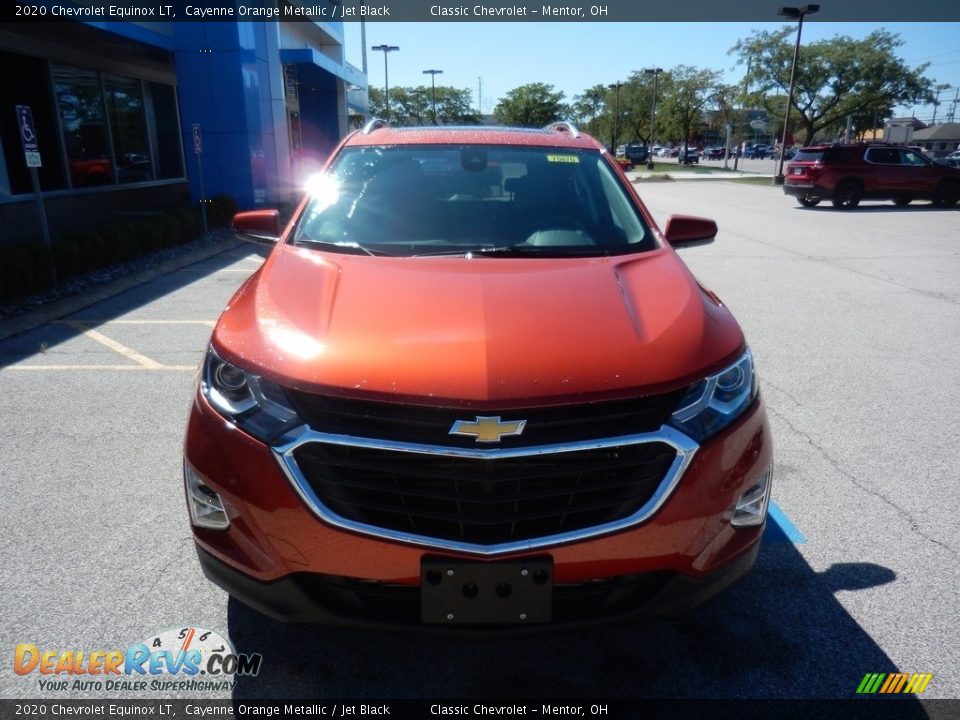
{"points": [[780, 633], [46, 337], [889, 207]]}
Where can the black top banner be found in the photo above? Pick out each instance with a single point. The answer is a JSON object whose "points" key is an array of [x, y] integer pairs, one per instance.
{"points": [[877, 709], [873, 11]]}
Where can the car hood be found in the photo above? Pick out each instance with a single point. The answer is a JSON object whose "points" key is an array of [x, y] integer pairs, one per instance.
{"points": [[479, 330]]}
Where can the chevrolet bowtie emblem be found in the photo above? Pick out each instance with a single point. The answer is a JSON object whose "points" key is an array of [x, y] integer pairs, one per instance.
{"points": [[487, 429]]}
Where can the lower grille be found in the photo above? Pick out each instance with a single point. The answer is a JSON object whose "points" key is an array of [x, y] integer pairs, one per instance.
{"points": [[484, 501]]}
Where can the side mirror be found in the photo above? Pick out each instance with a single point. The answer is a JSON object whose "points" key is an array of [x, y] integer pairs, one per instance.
{"points": [[258, 226], [688, 231]]}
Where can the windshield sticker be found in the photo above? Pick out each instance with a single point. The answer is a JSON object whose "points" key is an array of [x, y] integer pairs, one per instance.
{"points": [[563, 158]]}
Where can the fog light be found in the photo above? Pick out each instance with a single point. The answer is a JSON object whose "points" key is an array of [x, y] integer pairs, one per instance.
{"points": [[751, 508], [206, 507]]}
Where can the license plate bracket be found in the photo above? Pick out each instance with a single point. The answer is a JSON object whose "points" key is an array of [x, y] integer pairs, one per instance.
{"points": [[462, 592]]}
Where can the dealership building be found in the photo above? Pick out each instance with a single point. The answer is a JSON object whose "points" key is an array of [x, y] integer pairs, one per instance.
{"points": [[133, 117]]}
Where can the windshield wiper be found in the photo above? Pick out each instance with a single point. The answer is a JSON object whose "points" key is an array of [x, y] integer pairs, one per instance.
{"points": [[542, 250], [352, 247], [519, 251]]}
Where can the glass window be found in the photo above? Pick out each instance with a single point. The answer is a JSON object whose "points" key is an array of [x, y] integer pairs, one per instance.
{"points": [[26, 81], [128, 125], [84, 127], [167, 129], [909, 157], [884, 156], [440, 199], [807, 155]]}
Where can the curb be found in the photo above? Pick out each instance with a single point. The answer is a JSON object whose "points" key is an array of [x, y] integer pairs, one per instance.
{"points": [[75, 303]]}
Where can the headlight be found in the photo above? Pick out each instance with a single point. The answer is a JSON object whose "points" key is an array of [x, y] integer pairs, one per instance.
{"points": [[250, 402], [713, 403]]}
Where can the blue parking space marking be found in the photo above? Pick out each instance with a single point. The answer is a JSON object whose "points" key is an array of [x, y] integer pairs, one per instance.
{"points": [[779, 528]]}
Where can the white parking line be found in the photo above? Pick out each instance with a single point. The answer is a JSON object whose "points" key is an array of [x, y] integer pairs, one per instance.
{"points": [[143, 362], [128, 353]]}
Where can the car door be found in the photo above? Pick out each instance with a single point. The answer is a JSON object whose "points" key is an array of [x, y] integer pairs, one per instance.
{"points": [[884, 175], [918, 173]]}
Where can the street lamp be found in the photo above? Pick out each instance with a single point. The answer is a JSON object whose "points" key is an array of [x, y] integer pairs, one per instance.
{"points": [[794, 13], [616, 116], [433, 90], [386, 50], [653, 112]]}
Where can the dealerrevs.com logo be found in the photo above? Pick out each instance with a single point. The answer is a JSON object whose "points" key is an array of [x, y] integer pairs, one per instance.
{"points": [[187, 658]]}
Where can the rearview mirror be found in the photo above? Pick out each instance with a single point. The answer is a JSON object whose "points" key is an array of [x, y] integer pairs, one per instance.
{"points": [[689, 231], [258, 226]]}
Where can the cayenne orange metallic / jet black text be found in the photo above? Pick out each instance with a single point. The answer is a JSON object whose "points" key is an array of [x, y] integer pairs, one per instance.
{"points": [[473, 385]]}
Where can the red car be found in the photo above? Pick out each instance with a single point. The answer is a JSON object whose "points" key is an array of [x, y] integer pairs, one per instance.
{"points": [[847, 174], [474, 385]]}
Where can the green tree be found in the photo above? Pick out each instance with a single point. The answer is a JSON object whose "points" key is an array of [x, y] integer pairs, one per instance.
{"points": [[413, 106], [377, 108], [453, 106], [531, 105], [592, 111], [835, 78], [636, 105], [685, 94]]}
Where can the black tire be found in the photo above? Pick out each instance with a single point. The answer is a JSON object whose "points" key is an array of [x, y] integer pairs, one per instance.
{"points": [[947, 194], [847, 195], [808, 201]]}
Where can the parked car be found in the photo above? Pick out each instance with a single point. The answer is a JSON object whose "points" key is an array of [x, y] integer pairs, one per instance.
{"points": [[688, 156], [847, 174], [474, 385], [714, 153], [953, 159], [637, 153], [759, 150]]}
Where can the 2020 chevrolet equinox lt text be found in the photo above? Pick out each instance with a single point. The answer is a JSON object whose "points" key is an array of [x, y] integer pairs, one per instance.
{"points": [[474, 385]]}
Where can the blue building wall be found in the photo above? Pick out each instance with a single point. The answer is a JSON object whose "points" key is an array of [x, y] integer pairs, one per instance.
{"points": [[223, 86], [319, 124]]}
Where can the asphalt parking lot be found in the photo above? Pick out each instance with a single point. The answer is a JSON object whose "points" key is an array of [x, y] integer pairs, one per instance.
{"points": [[854, 319]]}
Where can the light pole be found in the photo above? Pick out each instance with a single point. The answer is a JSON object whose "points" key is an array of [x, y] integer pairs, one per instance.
{"points": [[616, 117], [653, 112], [386, 50], [433, 90], [797, 14]]}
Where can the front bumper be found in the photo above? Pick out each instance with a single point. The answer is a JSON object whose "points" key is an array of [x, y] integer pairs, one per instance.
{"points": [[278, 557], [333, 600]]}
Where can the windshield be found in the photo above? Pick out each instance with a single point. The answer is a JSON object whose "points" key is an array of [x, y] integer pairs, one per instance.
{"points": [[440, 199]]}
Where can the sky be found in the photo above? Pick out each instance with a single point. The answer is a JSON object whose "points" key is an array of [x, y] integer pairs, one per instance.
{"points": [[575, 56]]}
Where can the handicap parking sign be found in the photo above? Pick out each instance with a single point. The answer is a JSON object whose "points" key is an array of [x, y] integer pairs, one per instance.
{"points": [[28, 136]]}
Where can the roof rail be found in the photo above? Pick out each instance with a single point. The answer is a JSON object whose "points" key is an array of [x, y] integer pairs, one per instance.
{"points": [[375, 124], [563, 126]]}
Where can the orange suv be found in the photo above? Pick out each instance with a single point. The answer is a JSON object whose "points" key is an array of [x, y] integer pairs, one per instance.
{"points": [[847, 174], [474, 385]]}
